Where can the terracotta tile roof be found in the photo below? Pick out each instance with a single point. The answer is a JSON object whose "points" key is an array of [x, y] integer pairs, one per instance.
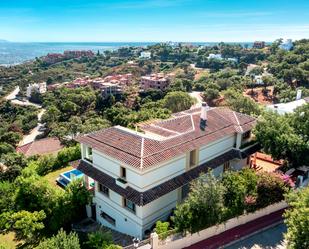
{"points": [[43, 146], [143, 198], [165, 139]]}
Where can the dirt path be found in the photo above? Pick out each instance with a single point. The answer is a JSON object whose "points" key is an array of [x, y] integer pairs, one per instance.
{"points": [[198, 97]]}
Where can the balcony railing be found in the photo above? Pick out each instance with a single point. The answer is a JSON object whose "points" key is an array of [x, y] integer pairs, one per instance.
{"points": [[121, 182], [247, 144]]}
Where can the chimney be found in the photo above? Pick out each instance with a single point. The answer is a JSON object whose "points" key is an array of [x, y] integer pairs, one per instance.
{"points": [[298, 95], [203, 120]]}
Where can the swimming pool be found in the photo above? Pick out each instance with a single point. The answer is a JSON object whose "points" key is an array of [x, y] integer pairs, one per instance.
{"points": [[65, 178]]}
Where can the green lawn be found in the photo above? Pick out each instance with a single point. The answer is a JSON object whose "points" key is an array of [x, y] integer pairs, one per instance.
{"points": [[52, 176], [8, 241]]}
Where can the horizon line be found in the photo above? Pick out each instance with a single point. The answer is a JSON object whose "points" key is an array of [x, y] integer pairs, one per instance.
{"points": [[11, 41]]}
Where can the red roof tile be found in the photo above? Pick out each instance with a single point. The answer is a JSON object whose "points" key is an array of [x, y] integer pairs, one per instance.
{"points": [[163, 140], [48, 145]]}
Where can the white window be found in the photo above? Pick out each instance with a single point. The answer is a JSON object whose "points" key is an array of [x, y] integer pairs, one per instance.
{"points": [[123, 173], [193, 158], [104, 190], [88, 154], [129, 205]]}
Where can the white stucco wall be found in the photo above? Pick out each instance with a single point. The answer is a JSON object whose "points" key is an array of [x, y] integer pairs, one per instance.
{"points": [[136, 223], [215, 149], [156, 176], [125, 222], [159, 209]]}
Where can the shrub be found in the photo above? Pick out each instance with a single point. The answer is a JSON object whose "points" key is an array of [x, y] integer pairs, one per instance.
{"points": [[99, 240], [48, 163], [270, 189], [61, 241], [239, 185], [203, 207], [26, 225], [296, 219], [162, 229]]}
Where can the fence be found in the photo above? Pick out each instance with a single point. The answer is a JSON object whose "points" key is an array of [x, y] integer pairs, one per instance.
{"points": [[140, 244], [177, 241]]}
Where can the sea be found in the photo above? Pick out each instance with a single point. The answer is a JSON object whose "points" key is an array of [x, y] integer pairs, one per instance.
{"points": [[12, 53]]}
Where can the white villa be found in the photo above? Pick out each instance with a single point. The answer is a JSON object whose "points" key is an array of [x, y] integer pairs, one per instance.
{"points": [[215, 56], [140, 176], [39, 87], [145, 55]]}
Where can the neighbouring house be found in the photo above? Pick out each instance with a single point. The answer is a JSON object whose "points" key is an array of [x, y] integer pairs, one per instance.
{"points": [[258, 79], [70, 54], [109, 88], [39, 87], [140, 176], [232, 59], [112, 83], [215, 56], [289, 107], [145, 55], [155, 81], [58, 57], [50, 145], [123, 79], [286, 45], [259, 44]]}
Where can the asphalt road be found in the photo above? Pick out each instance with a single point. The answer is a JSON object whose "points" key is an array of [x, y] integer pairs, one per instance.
{"points": [[271, 238]]}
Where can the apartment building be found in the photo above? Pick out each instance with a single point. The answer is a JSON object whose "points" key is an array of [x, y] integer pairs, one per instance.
{"points": [[39, 87], [109, 88], [140, 176], [123, 79], [155, 81], [259, 44]]}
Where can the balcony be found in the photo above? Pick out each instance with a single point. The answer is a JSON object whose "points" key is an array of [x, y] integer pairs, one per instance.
{"points": [[121, 182], [88, 159], [247, 144]]}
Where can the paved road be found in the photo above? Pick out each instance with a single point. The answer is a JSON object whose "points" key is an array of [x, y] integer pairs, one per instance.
{"points": [[13, 94], [35, 131], [271, 238]]}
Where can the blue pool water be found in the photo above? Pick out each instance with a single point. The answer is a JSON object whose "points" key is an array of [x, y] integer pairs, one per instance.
{"points": [[74, 172], [65, 178]]}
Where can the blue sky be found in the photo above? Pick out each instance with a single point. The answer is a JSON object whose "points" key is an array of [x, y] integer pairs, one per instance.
{"points": [[153, 20]]}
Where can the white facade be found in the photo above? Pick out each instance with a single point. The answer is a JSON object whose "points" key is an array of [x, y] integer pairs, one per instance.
{"points": [[215, 56], [145, 55], [258, 79], [111, 210], [39, 87], [284, 108], [286, 45]]}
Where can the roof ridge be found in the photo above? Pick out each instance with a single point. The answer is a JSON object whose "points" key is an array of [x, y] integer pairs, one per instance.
{"points": [[186, 141], [142, 153], [241, 129], [165, 129]]}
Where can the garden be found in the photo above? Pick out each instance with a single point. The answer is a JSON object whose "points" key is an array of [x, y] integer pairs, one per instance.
{"points": [[212, 201]]}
